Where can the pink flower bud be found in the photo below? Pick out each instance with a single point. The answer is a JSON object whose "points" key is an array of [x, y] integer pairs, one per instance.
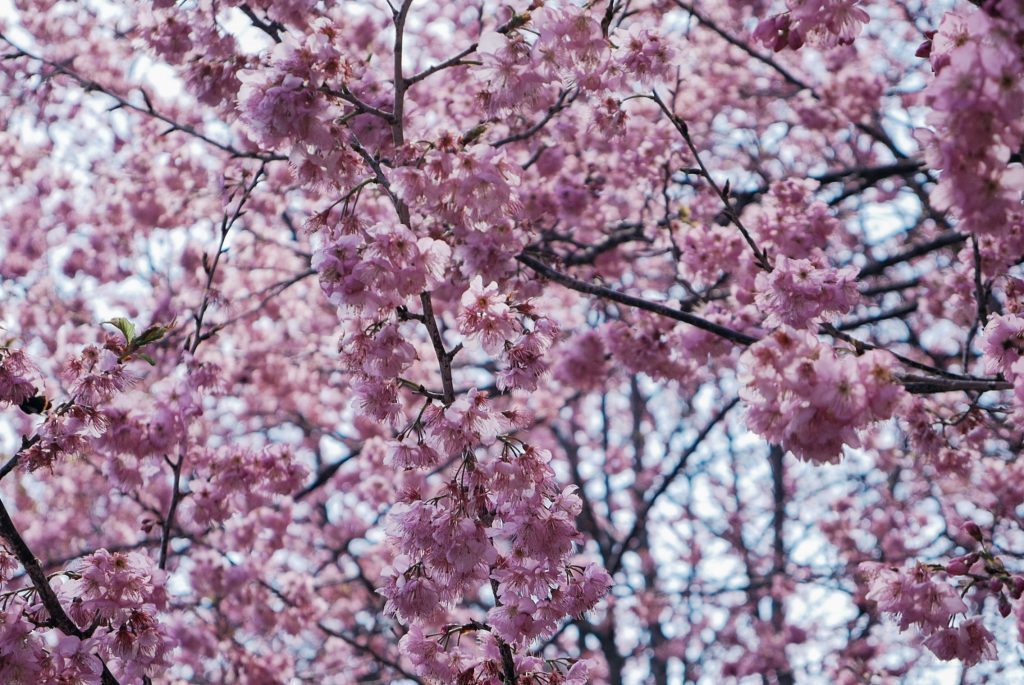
{"points": [[973, 530], [1004, 606], [957, 567]]}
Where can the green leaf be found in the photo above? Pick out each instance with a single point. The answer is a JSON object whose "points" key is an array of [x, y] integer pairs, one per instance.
{"points": [[148, 359], [126, 327], [151, 335]]}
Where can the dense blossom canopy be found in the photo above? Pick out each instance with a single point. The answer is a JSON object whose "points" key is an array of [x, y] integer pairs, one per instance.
{"points": [[515, 342]]}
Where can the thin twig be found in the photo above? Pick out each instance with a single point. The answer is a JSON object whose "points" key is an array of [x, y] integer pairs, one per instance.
{"points": [[563, 101], [666, 481], [455, 61], [90, 85], [730, 212], [172, 508]]}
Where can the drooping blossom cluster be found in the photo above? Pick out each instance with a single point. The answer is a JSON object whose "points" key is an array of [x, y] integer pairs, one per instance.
{"points": [[829, 23], [974, 126], [1002, 342], [503, 526], [918, 597], [470, 190], [521, 538], [914, 595], [94, 377], [125, 591], [15, 371], [486, 316], [378, 267], [803, 395]]}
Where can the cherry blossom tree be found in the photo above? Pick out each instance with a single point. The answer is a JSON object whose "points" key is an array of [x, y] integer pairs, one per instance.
{"points": [[512, 342]]}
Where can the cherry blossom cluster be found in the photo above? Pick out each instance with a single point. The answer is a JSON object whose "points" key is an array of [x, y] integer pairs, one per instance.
{"points": [[236, 481], [916, 596], [1003, 344], [292, 102], [796, 292], [115, 598], [469, 190], [378, 267], [791, 222], [502, 526], [528, 74], [581, 361], [830, 23], [649, 345], [16, 370], [126, 591], [94, 377], [974, 127], [803, 395]]}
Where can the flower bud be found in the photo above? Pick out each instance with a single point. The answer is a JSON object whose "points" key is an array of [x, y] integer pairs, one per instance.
{"points": [[973, 530], [1004, 606], [958, 567]]}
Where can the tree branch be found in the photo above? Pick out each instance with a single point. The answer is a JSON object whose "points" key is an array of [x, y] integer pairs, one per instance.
{"points": [[42, 586]]}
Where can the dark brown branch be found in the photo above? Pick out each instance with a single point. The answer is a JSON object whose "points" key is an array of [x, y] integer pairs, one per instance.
{"points": [[354, 100], [563, 101], [776, 457], [325, 474], [444, 358], [13, 462], [455, 61], [895, 313], [508, 664], [42, 586], [923, 385], [172, 507], [946, 381], [592, 252], [945, 240], [271, 28], [631, 301], [883, 288]]}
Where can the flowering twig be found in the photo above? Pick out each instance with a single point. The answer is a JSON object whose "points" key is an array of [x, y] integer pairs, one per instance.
{"points": [[148, 110], [723, 194], [42, 586]]}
